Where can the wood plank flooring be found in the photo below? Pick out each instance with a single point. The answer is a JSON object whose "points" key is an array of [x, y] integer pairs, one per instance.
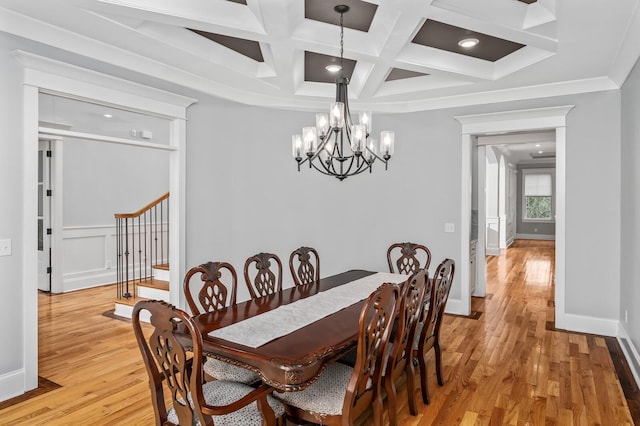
{"points": [[508, 366]]}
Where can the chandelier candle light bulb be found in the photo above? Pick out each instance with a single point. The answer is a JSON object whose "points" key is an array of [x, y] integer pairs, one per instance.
{"points": [[344, 148]]}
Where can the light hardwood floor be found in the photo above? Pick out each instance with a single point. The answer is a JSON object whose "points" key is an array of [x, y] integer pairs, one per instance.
{"points": [[507, 366]]}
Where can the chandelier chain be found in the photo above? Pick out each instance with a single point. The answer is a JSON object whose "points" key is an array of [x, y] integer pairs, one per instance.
{"points": [[341, 43]]}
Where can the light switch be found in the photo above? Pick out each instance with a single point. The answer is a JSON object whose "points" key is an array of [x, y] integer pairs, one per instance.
{"points": [[5, 247], [449, 227]]}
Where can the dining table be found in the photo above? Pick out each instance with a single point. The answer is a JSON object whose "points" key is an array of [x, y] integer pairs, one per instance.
{"points": [[289, 337]]}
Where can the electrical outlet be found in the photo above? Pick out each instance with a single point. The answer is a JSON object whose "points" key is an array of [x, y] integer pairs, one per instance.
{"points": [[449, 227], [5, 247]]}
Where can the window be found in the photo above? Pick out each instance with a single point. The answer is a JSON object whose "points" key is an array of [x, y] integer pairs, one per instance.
{"points": [[537, 195]]}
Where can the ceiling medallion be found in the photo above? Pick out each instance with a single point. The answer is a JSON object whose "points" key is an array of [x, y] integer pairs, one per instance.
{"points": [[335, 146]]}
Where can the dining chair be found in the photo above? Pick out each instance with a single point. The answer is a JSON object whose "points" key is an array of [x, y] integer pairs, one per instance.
{"points": [[399, 354], [171, 352], [407, 256], [212, 296], [308, 265], [428, 330], [342, 393], [262, 280]]}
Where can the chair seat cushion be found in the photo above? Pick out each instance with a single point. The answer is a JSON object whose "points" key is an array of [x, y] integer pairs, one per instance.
{"points": [[221, 370], [326, 396], [221, 392]]}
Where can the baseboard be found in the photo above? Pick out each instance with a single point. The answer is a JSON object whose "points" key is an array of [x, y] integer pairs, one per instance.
{"points": [[12, 384], [585, 324], [536, 237], [492, 251], [454, 306], [630, 352], [90, 279]]}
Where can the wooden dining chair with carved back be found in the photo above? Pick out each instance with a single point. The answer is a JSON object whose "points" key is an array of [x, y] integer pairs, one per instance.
{"points": [[428, 330], [171, 352], [342, 393], [408, 258], [212, 295], [260, 277], [399, 354], [308, 266]]}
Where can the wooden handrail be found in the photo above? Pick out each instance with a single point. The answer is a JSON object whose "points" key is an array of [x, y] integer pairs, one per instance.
{"points": [[142, 210]]}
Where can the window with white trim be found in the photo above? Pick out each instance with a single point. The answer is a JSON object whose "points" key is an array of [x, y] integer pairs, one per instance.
{"points": [[538, 187]]}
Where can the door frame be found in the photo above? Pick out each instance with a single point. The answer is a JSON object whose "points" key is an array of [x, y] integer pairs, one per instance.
{"points": [[514, 121], [45, 75]]}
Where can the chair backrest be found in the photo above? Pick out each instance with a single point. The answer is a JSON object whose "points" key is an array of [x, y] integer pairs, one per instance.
{"points": [[308, 270], [410, 308], [167, 360], [263, 280], [172, 355], [375, 323], [407, 257], [441, 286], [213, 294]]}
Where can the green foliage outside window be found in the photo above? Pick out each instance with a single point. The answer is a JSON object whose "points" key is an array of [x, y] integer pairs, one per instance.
{"points": [[538, 207]]}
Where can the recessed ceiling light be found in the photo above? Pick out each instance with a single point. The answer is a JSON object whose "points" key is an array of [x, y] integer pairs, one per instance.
{"points": [[333, 67], [468, 42], [540, 152], [537, 145], [108, 116]]}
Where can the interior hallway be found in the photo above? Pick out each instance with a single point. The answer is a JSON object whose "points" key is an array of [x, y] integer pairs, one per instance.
{"points": [[506, 365]]}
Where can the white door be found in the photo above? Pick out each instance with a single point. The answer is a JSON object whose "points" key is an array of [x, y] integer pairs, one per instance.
{"points": [[44, 215]]}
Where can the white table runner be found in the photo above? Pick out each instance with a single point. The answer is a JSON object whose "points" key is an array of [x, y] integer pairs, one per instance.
{"points": [[263, 328]]}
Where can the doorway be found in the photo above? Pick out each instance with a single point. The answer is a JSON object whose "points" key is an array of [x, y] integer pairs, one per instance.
{"points": [[513, 198], [47, 76], [551, 118]]}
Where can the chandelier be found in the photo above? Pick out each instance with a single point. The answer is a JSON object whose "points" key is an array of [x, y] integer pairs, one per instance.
{"points": [[336, 146]]}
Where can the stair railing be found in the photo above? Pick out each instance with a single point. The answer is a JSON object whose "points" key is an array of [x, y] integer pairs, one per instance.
{"points": [[142, 241]]}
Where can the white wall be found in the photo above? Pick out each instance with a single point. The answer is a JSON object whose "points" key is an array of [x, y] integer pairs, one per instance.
{"points": [[244, 194], [630, 252], [11, 310]]}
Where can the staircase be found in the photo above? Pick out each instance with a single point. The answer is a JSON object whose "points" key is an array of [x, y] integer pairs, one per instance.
{"points": [[142, 255]]}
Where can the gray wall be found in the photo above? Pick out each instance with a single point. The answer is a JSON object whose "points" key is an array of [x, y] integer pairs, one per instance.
{"points": [[11, 311], [531, 228], [244, 194], [629, 264], [100, 179]]}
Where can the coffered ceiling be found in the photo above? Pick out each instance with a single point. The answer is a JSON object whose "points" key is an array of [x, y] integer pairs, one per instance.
{"points": [[399, 55]]}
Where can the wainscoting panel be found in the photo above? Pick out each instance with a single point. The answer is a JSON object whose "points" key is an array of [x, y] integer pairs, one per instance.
{"points": [[89, 255], [493, 236]]}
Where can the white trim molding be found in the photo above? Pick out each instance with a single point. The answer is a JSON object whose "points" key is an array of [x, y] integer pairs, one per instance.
{"points": [[12, 384], [535, 237], [514, 121], [588, 324], [630, 351], [44, 75]]}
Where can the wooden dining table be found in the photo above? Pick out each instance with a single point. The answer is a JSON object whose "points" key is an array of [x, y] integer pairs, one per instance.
{"points": [[295, 360]]}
